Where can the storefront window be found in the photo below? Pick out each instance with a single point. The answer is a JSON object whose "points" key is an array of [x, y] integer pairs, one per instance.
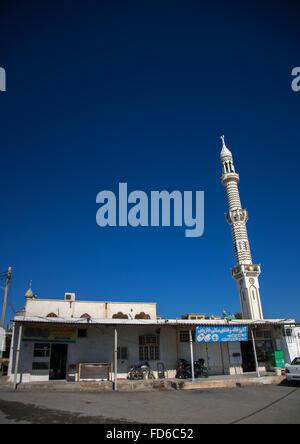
{"points": [[263, 348], [41, 350], [40, 366]]}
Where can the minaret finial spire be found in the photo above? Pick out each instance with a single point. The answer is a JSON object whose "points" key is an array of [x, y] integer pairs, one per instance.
{"points": [[225, 151]]}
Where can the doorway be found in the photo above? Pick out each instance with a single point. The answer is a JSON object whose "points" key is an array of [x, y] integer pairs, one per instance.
{"points": [[248, 357], [58, 361]]}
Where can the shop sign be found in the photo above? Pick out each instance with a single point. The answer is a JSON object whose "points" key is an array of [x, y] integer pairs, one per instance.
{"points": [[221, 334], [49, 333]]}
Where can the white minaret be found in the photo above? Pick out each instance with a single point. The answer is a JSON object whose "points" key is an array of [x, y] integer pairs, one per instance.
{"points": [[245, 272]]}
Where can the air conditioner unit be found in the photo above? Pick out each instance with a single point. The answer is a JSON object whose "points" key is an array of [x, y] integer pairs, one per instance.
{"points": [[70, 297]]}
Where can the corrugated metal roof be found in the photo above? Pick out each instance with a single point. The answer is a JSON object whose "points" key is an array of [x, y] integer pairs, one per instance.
{"points": [[150, 322]]}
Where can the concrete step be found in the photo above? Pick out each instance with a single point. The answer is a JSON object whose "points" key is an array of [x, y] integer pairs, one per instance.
{"points": [[149, 385]]}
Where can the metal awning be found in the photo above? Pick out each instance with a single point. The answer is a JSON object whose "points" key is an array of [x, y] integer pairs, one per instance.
{"points": [[152, 322]]}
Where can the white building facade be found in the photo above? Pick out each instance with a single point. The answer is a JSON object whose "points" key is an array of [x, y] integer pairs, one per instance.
{"points": [[52, 337]]}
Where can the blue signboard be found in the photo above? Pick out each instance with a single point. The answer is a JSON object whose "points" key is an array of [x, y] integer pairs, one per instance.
{"points": [[222, 334]]}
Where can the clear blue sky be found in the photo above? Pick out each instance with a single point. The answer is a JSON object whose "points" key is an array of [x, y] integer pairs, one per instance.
{"points": [[102, 92]]}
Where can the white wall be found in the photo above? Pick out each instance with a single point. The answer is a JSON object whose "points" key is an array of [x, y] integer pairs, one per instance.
{"points": [[98, 310]]}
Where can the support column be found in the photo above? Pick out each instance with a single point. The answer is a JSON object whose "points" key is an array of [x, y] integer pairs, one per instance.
{"points": [[116, 360], [192, 356], [255, 355], [17, 357]]}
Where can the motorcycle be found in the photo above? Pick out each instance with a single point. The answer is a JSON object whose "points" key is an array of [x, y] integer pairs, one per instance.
{"points": [[184, 370], [138, 372], [200, 369], [134, 373]]}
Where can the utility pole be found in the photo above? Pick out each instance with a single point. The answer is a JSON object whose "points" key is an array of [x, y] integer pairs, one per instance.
{"points": [[8, 277]]}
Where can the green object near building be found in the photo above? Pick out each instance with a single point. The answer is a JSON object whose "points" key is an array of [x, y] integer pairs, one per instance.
{"points": [[29, 293], [277, 359]]}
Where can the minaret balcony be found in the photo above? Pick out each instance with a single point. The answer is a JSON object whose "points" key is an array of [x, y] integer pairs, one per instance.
{"points": [[245, 270], [229, 177]]}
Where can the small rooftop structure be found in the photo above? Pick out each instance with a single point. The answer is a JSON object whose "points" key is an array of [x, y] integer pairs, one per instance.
{"points": [[193, 316]]}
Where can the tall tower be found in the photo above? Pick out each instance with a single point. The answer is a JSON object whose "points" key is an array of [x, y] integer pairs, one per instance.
{"points": [[245, 272]]}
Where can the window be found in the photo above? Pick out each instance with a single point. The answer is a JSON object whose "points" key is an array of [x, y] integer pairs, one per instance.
{"points": [[40, 366], [41, 350], [184, 336], [149, 348], [148, 339], [122, 353], [263, 348], [263, 334], [82, 333], [287, 332]]}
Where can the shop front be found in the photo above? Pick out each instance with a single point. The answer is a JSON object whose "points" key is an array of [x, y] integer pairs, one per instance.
{"points": [[46, 346], [53, 349]]}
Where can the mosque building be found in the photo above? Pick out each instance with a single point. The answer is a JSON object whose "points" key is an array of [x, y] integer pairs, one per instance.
{"points": [[58, 339]]}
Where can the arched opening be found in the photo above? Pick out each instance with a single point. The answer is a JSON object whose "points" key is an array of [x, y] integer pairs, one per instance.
{"points": [[86, 316], [142, 315], [120, 315]]}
